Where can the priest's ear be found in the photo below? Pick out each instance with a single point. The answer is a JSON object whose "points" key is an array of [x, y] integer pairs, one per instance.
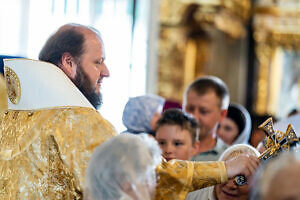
{"points": [[68, 65]]}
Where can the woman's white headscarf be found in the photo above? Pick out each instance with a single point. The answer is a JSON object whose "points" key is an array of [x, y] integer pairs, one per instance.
{"points": [[123, 168], [243, 116]]}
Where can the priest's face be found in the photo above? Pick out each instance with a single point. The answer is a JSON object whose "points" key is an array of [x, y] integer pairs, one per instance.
{"points": [[91, 69]]}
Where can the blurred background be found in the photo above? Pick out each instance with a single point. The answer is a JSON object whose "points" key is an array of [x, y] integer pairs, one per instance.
{"points": [[160, 46]]}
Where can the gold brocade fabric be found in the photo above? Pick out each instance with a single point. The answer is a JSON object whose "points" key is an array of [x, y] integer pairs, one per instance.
{"points": [[44, 153], [3, 94], [177, 178]]}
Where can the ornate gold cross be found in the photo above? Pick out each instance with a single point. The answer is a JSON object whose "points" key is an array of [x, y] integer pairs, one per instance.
{"points": [[276, 142]]}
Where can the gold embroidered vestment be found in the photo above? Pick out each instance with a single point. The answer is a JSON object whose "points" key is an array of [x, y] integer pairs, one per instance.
{"points": [[44, 153]]}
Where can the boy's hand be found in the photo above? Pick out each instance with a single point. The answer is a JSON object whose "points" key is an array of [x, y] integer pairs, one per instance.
{"points": [[244, 164]]}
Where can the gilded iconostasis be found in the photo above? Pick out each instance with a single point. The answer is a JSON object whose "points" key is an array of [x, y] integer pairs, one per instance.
{"points": [[252, 45]]}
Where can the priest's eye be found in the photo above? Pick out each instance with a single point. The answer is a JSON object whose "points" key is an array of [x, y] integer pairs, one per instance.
{"points": [[100, 62]]}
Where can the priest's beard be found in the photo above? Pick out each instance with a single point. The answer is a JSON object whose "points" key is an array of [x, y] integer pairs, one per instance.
{"points": [[83, 83]]}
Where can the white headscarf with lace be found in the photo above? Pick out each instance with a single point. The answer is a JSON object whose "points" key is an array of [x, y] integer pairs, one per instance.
{"points": [[123, 168]]}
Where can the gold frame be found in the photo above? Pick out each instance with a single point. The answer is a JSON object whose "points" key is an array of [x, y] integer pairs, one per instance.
{"points": [[227, 16], [272, 32]]}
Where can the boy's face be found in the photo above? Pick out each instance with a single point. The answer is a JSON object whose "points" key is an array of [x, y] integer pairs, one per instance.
{"points": [[175, 142]]}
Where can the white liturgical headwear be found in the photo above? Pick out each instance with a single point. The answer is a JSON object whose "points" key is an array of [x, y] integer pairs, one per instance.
{"points": [[33, 84]]}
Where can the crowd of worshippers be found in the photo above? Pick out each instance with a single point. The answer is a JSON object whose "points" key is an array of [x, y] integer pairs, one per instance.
{"points": [[205, 128], [206, 101], [131, 175], [166, 143]]}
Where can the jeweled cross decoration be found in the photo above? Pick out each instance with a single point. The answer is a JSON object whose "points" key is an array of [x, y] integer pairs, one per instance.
{"points": [[275, 143]]}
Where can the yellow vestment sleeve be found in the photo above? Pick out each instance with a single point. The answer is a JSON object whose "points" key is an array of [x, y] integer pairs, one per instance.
{"points": [[177, 178]]}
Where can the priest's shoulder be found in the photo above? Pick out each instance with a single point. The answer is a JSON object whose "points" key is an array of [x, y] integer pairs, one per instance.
{"points": [[60, 117]]}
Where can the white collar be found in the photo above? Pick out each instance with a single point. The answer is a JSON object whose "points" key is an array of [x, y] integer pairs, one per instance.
{"points": [[39, 85]]}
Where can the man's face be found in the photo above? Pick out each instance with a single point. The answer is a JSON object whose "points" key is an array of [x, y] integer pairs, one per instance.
{"points": [[175, 143], [205, 109], [230, 190], [91, 69]]}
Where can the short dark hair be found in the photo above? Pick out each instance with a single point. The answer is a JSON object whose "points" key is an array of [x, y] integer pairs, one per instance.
{"points": [[206, 84], [178, 117], [69, 40]]}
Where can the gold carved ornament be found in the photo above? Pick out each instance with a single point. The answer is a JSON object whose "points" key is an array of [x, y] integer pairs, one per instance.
{"points": [[264, 52], [13, 85], [276, 26]]}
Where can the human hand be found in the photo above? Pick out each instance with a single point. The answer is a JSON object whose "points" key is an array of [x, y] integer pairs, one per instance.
{"points": [[243, 164]]}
